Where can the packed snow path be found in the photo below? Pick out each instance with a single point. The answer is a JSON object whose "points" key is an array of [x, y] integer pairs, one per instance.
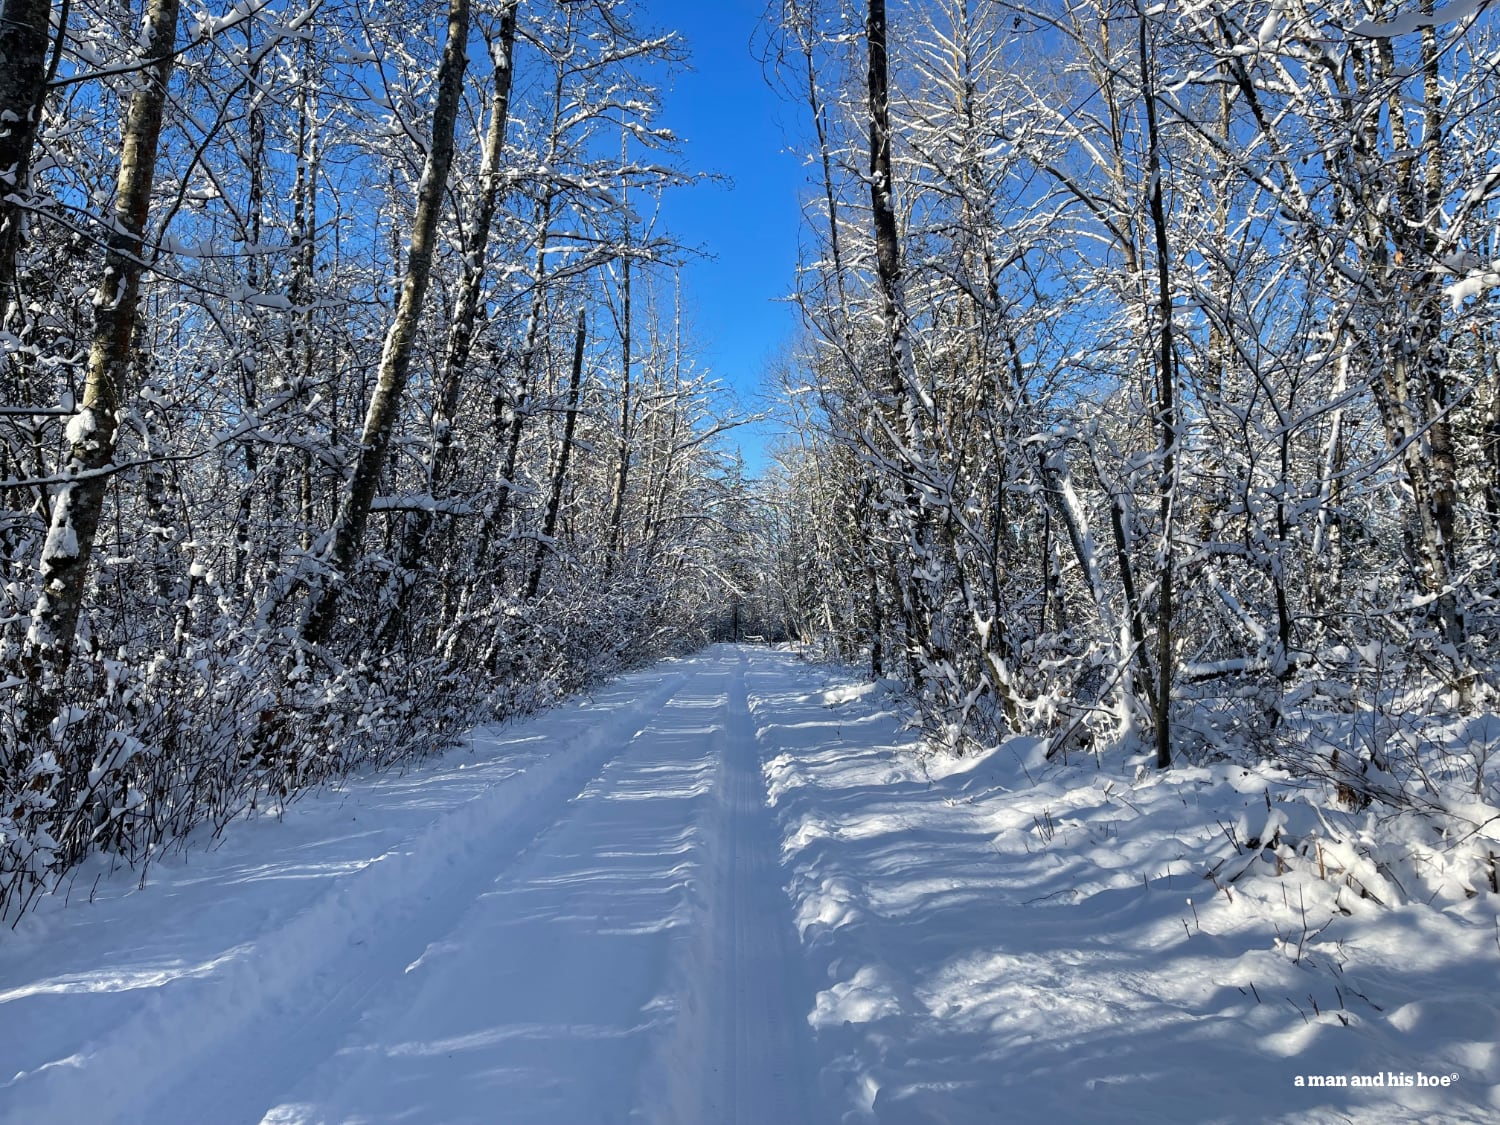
{"points": [[601, 938], [724, 890]]}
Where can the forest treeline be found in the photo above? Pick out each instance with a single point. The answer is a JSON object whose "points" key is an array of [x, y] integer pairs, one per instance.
{"points": [[1151, 396], [346, 397]]}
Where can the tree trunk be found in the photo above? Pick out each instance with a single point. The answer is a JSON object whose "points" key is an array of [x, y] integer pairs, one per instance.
{"points": [[1398, 241], [24, 32], [622, 468], [471, 286], [560, 476], [513, 429], [888, 270], [463, 327], [343, 546], [254, 212], [80, 502], [1166, 413]]}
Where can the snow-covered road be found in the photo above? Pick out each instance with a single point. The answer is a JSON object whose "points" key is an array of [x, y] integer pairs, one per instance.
{"points": [[724, 890], [604, 936]]}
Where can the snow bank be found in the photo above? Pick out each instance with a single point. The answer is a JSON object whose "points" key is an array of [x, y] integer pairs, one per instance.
{"points": [[1002, 938]]}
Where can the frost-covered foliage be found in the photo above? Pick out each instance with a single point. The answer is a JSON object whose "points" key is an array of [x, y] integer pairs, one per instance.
{"points": [[530, 532], [1171, 421]]}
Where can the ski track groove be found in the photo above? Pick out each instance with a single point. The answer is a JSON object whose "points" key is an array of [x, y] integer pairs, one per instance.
{"points": [[762, 1047], [236, 1026]]}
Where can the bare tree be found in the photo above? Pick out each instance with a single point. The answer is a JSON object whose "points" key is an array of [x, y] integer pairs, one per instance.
{"points": [[343, 542]]}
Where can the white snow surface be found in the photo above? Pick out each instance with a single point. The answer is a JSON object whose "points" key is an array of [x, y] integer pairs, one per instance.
{"points": [[728, 889]]}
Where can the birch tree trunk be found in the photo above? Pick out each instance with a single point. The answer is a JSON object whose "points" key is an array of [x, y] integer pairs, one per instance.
{"points": [[92, 432], [464, 324], [471, 286], [344, 538]]}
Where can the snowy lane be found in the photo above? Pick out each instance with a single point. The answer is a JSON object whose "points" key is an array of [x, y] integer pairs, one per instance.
{"points": [[724, 891], [584, 921]]}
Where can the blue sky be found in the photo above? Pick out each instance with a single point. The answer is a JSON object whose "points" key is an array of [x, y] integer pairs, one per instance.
{"points": [[733, 124]]}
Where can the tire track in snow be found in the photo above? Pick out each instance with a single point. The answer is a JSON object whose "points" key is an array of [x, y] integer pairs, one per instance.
{"points": [[758, 1062], [216, 1054]]}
